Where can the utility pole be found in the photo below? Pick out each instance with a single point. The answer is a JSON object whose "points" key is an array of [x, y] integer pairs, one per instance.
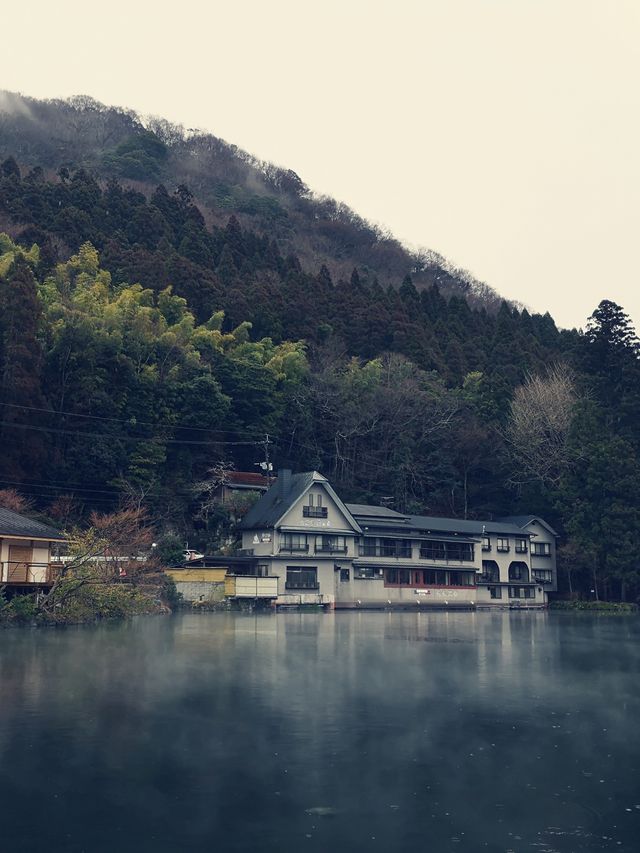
{"points": [[266, 466]]}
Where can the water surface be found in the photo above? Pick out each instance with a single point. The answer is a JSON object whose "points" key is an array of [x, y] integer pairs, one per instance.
{"points": [[321, 732]]}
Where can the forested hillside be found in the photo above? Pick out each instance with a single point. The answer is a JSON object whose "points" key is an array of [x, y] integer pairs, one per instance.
{"points": [[153, 329], [113, 142]]}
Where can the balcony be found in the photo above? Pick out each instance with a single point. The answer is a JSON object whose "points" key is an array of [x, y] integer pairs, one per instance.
{"points": [[326, 549], [16, 572], [454, 554], [294, 549], [397, 552], [250, 586], [314, 512], [545, 581]]}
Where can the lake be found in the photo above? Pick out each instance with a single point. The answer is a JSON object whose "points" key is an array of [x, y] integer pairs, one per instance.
{"points": [[323, 732]]}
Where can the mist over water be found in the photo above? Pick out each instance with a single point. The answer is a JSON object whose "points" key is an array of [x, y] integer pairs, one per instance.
{"points": [[317, 732]]}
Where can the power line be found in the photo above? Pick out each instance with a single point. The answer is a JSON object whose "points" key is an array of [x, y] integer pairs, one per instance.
{"points": [[128, 421], [129, 437]]}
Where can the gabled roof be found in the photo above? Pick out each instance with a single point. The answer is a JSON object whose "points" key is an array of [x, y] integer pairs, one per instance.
{"points": [[14, 524], [523, 520], [275, 503]]}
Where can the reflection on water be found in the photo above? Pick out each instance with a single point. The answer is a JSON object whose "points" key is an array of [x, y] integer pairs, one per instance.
{"points": [[316, 732]]}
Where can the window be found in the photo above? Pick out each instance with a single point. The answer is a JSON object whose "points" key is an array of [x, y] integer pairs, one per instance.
{"points": [[495, 591], [518, 572], [372, 547], [397, 577], [521, 592], [462, 578], [503, 545], [345, 575], [367, 572], [543, 576], [395, 547], [294, 542], [302, 577], [486, 543], [430, 577], [462, 551], [433, 549], [314, 508], [541, 549], [368, 547], [331, 545], [490, 571], [521, 546]]}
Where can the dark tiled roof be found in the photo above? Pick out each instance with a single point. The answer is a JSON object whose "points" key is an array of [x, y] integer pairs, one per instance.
{"points": [[248, 479], [460, 525], [369, 511], [14, 524], [274, 503], [381, 515]]}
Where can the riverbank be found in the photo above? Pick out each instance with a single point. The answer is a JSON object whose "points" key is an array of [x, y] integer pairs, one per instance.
{"points": [[595, 606]]}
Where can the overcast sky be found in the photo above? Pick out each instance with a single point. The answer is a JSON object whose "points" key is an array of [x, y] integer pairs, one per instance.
{"points": [[504, 134]]}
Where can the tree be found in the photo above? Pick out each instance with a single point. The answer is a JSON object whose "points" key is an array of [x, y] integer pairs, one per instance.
{"points": [[610, 356], [111, 571], [21, 361], [537, 432]]}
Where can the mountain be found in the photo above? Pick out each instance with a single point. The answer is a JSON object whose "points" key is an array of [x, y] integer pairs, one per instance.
{"points": [[112, 142]]}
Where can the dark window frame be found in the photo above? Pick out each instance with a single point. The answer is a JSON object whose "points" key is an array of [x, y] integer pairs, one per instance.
{"points": [[300, 582]]}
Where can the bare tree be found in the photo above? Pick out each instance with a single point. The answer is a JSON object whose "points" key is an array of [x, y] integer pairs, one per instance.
{"points": [[537, 433]]}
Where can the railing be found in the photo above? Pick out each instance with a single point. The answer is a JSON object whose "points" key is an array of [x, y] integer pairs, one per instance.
{"points": [[399, 551], [485, 577], [294, 549], [326, 549], [542, 580], [18, 571], [457, 554], [314, 512]]}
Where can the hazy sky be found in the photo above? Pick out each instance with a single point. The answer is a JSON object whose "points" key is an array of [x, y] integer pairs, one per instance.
{"points": [[504, 134]]}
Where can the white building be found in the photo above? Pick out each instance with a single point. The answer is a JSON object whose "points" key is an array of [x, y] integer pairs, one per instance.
{"points": [[319, 550]]}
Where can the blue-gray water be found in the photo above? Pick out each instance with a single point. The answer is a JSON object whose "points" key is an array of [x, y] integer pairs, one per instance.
{"points": [[317, 732]]}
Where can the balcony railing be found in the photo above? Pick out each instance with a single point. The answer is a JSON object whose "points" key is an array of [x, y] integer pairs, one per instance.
{"points": [[294, 549], [542, 580], [447, 555], [315, 511], [328, 549], [399, 551], [17, 571]]}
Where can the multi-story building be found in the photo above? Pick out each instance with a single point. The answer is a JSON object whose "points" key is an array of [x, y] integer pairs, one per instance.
{"points": [[317, 549]]}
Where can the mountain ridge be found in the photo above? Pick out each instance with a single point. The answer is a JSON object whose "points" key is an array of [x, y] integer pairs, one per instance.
{"points": [[143, 151]]}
